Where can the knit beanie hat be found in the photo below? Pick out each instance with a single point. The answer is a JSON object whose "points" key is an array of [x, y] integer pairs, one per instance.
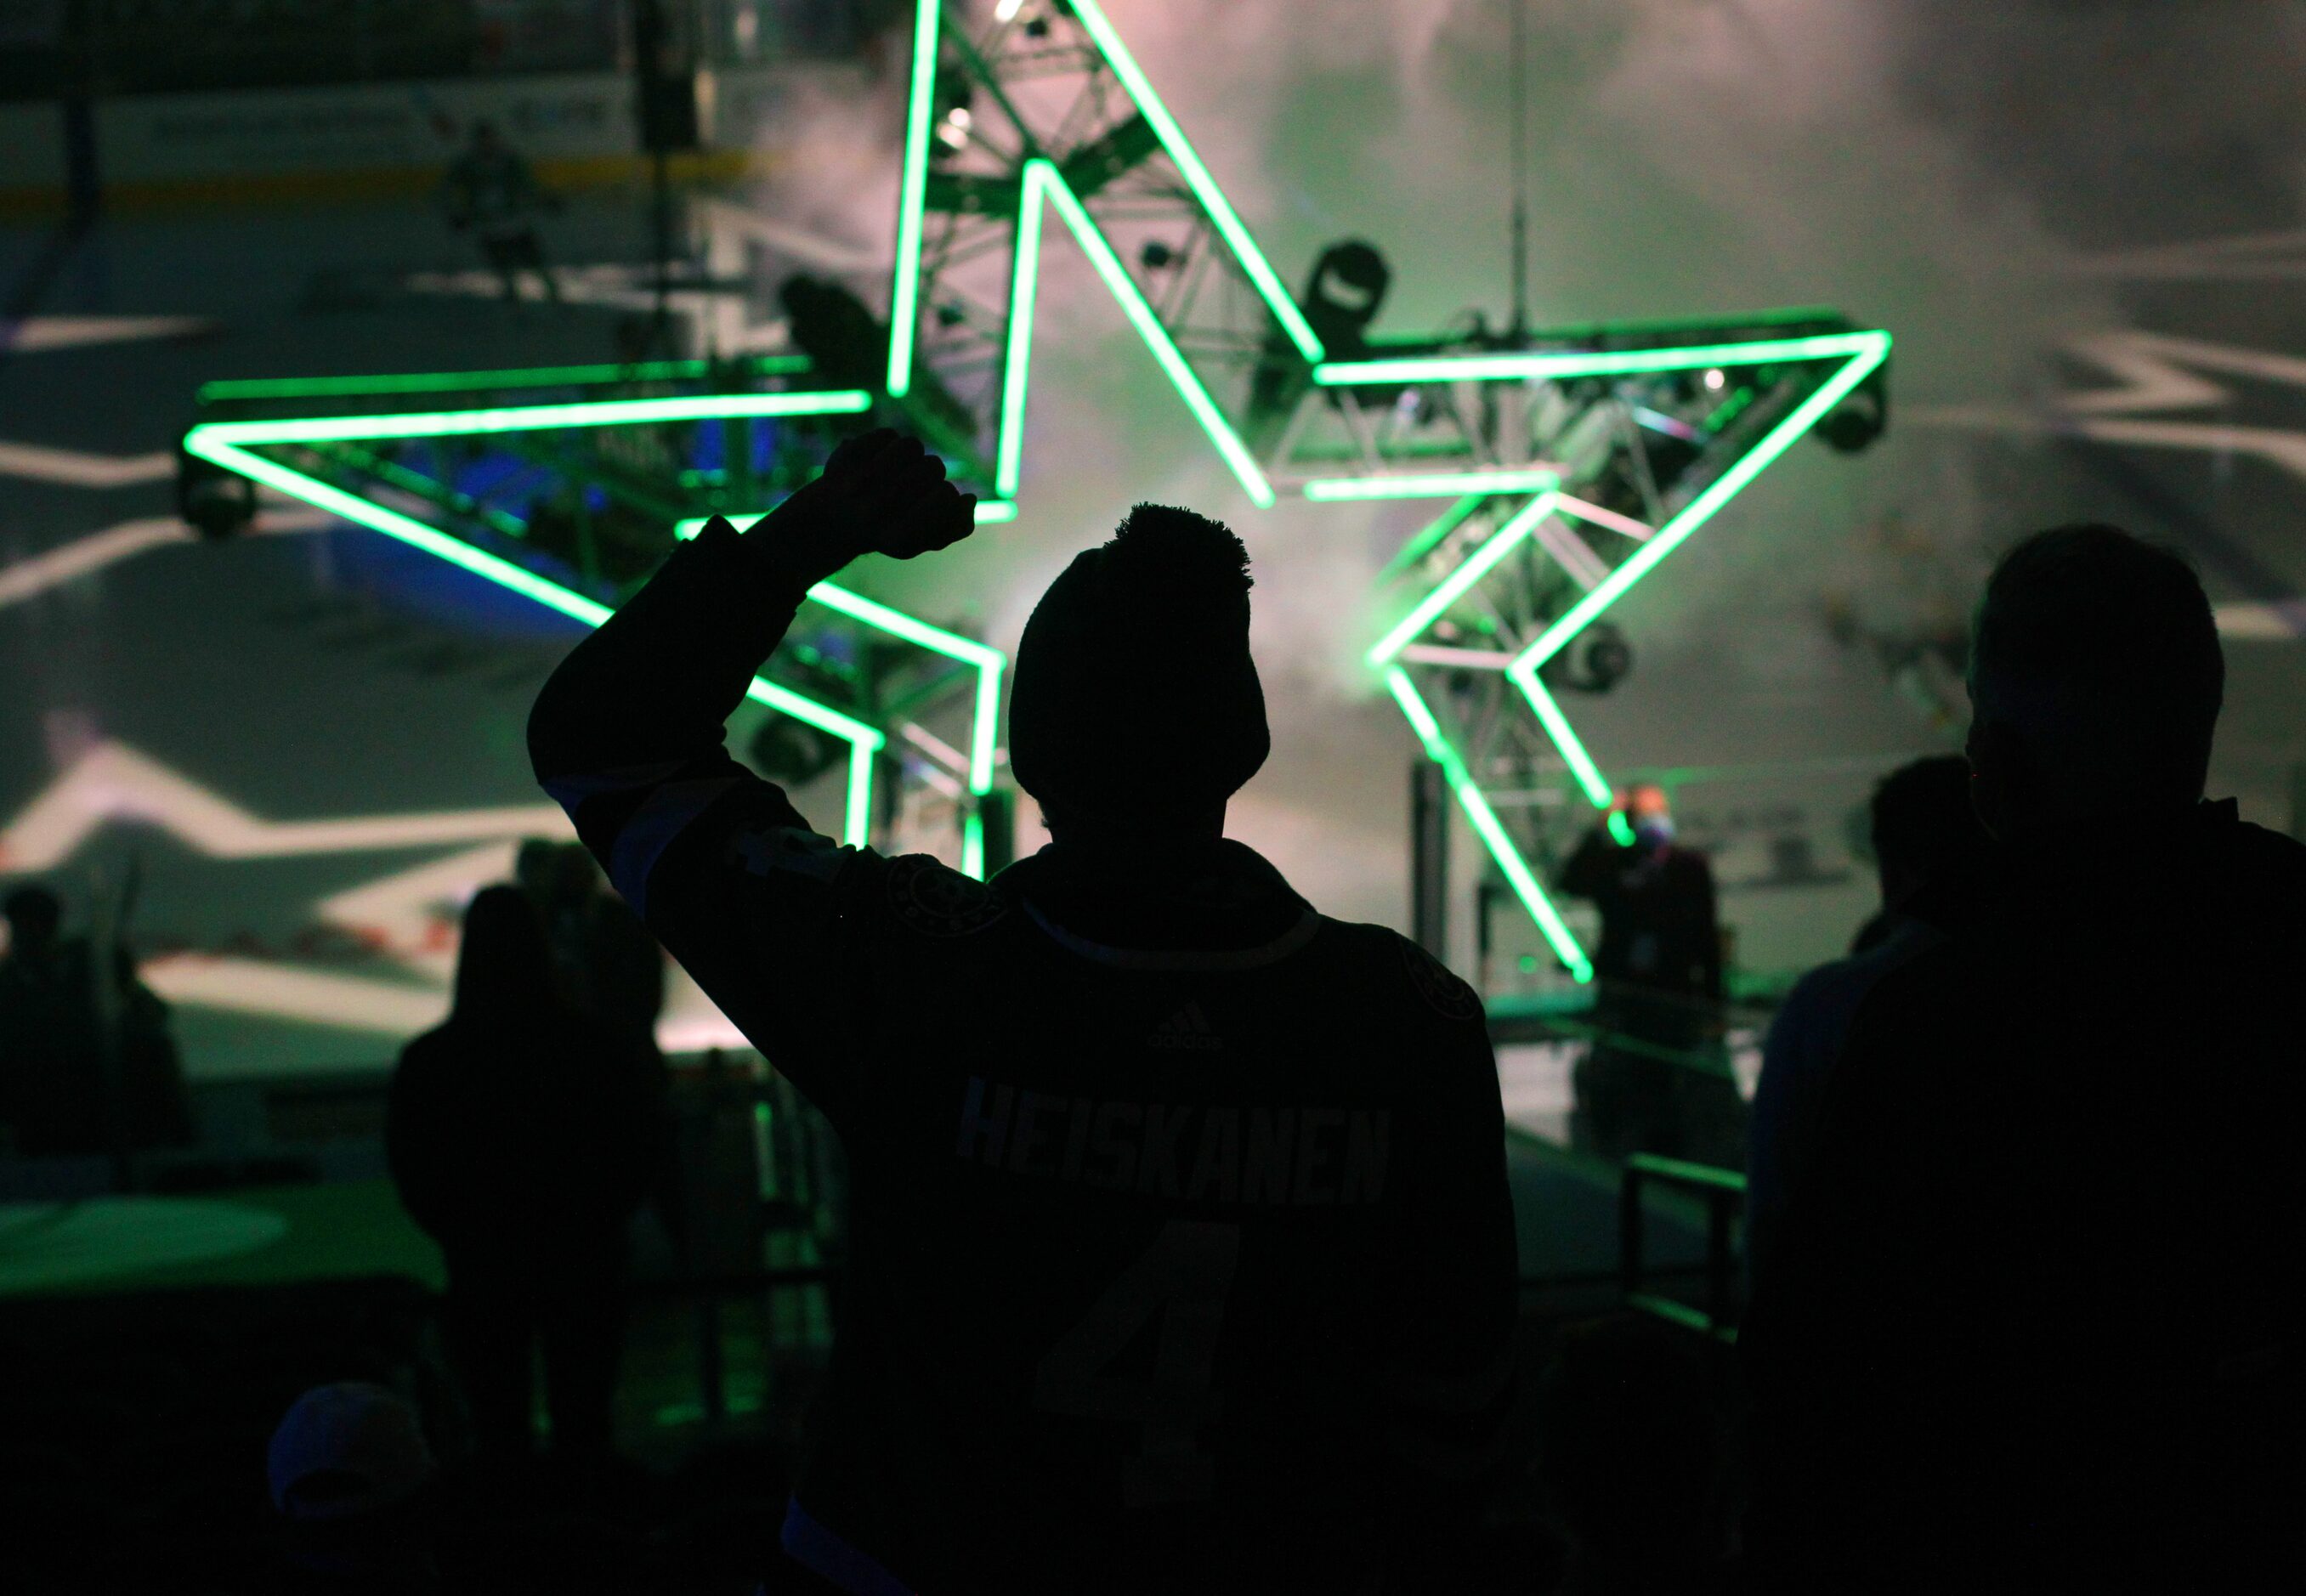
{"points": [[1135, 692]]}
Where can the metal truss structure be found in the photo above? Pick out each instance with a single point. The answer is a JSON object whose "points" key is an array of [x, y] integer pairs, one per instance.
{"points": [[1573, 460], [566, 485]]}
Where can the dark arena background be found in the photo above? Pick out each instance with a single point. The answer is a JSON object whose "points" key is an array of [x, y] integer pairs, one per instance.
{"points": [[1609, 394]]}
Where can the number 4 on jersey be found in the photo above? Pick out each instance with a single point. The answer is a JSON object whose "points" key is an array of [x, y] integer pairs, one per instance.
{"points": [[1183, 1277]]}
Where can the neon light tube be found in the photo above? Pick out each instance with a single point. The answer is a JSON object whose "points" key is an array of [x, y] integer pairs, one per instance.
{"points": [[988, 511], [449, 382], [526, 418], [1157, 337], [1620, 829], [1198, 178], [1470, 570], [1491, 830], [1434, 485], [972, 844], [1578, 362], [1024, 280], [905, 286], [1572, 752], [1875, 348], [857, 817]]}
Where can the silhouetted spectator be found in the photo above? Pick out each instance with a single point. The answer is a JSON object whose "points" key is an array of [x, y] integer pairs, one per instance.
{"points": [[605, 963], [65, 1048], [1633, 1459], [522, 1138], [1180, 1253], [352, 1477], [491, 190], [1923, 828], [2034, 1320], [1653, 1081]]}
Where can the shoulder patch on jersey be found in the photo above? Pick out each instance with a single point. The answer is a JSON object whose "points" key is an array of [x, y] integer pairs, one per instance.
{"points": [[932, 898], [1443, 992]]}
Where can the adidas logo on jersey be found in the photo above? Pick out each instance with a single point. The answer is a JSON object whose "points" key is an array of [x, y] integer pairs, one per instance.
{"points": [[1186, 1031]]}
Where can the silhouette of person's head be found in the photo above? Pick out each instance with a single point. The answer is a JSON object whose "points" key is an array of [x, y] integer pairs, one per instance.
{"points": [[504, 967], [1138, 710], [2095, 683], [1650, 813], [35, 916], [575, 878], [1923, 824], [534, 865]]}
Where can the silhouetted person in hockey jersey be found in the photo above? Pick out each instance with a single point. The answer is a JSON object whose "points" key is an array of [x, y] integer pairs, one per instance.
{"points": [[1182, 1254], [1653, 1081], [522, 1137], [2034, 1318], [1923, 826]]}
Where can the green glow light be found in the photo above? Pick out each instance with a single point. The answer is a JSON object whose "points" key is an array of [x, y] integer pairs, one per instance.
{"points": [[857, 819], [972, 845], [1024, 286], [451, 383], [1621, 830], [988, 511], [205, 442], [1470, 570], [1487, 825], [1869, 350], [1440, 484], [1557, 727], [1197, 177], [1100, 253], [1435, 530], [905, 287], [527, 418], [1584, 362]]}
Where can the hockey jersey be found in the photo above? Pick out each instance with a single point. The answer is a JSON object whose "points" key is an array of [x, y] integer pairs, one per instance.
{"points": [[1181, 1253]]}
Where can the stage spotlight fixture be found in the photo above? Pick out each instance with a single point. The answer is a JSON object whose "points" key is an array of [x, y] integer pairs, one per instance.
{"points": [[1598, 661], [1344, 296], [213, 502], [1862, 417], [1716, 380]]}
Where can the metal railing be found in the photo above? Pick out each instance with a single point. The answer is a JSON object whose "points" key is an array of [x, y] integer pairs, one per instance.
{"points": [[1723, 1191]]}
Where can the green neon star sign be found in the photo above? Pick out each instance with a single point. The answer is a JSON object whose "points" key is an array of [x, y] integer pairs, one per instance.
{"points": [[1844, 359]]}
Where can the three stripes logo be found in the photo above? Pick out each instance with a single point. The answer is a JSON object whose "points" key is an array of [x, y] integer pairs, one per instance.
{"points": [[1187, 1030]]}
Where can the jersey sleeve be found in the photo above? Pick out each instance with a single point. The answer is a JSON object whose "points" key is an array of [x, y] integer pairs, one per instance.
{"points": [[772, 919]]}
